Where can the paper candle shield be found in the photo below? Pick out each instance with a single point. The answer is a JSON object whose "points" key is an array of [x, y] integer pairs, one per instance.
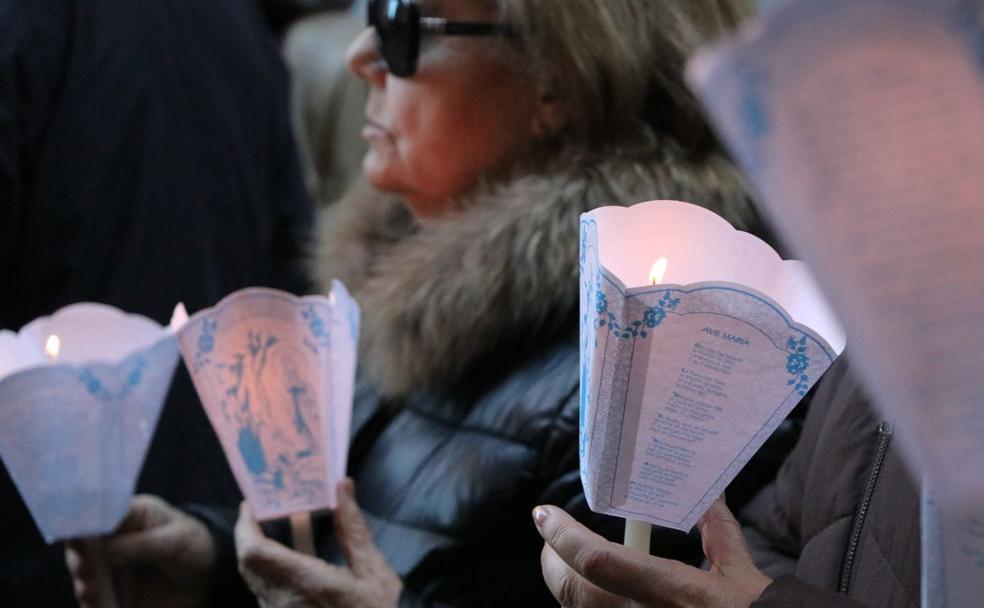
{"points": [[683, 381], [74, 431], [883, 199], [276, 375]]}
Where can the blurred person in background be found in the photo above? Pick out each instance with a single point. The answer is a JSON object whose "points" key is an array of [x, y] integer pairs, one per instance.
{"points": [[328, 100], [461, 247], [146, 158]]}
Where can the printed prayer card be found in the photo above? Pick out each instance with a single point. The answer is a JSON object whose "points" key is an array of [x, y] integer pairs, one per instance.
{"points": [[696, 341]]}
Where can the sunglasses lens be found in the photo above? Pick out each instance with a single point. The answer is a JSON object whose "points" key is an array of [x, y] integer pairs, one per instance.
{"points": [[396, 22]]}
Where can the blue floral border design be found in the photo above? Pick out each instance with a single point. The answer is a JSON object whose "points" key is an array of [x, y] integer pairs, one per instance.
{"points": [[95, 387], [797, 362], [652, 317]]}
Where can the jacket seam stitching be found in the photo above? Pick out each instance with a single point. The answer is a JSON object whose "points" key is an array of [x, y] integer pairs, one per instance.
{"points": [[877, 545], [471, 429]]}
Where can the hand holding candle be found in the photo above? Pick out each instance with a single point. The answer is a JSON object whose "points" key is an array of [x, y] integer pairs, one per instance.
{"points": [[276, 376], [164, 558], [80, 393]]}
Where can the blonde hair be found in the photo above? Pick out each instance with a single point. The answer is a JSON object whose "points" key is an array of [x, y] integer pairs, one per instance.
{"points": [[617, 65]]}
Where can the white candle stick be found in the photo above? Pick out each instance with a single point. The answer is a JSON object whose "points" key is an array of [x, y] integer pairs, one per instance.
{"points": [[637, 535], [101, 573], [301, 533]]}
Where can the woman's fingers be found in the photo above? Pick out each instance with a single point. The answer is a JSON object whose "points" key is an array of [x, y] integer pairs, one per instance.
{"points": [[91, 576], [79, 569], [614, 568], [256, 552], [570, 588], [727, 552], [153, 547], [723, 539], [268, 565], [145, 511], [354, 534]]}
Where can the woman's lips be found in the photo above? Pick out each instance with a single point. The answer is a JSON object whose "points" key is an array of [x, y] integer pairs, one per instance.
{"points": [[374, 131]]}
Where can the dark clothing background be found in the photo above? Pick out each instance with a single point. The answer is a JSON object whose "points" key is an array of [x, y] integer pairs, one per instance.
{"points": [[840, 526], [146, 158]]}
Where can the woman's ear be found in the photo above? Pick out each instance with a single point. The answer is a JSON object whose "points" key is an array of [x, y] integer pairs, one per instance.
{"points": [[550, 116]]}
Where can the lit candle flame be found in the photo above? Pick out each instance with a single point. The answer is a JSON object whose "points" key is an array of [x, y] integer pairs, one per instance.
{"points": [[52, 347], [658, 272]]}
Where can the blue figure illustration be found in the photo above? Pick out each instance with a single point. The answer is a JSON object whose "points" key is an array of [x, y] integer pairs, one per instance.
{"points": [[273, 410]]}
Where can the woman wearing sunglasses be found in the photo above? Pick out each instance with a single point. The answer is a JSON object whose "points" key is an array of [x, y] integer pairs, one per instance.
{"points": [[492, 125]]}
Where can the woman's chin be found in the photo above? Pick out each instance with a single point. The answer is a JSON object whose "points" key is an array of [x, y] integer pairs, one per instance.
{"points": [[379, 174]]}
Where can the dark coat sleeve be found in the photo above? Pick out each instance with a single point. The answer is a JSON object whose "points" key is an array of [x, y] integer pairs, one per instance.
{"points": [[790, 592], [226, 586], [773, 518], [33, 38], [10, 181], [294, 215]]}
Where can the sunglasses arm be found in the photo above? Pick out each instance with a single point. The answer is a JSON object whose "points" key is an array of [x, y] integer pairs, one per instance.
{"points": [[438, 25]]}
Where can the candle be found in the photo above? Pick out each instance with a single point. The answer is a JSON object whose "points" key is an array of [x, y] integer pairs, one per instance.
{"points": [[658, 271], [52, 347], [300, 531], [319, 336], [642, 330], [103, 374]]}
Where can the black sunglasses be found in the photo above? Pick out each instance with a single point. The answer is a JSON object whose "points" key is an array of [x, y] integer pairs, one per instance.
{"points": [[398, 26]]}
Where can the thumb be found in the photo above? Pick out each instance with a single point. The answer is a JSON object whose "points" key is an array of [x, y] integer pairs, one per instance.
{"points": [[353, 533], [153, 547], [723, 539]]}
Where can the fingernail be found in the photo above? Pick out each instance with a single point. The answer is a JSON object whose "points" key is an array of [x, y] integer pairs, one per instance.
{"points": [[539, 516]]}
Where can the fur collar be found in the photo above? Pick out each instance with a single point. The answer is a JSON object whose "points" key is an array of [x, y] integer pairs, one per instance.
{"points": [[438, 296]]}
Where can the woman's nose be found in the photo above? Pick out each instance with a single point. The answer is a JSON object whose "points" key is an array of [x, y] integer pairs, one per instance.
{"points": [[363, 58]]}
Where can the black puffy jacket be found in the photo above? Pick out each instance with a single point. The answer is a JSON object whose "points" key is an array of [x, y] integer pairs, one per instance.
{"points": [[448, 482]]}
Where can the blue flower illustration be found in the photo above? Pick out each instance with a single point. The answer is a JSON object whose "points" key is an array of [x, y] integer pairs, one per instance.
{"points": [[653, 316], [797, 363], [92, 384], [601, 303], [206, 341], [315, 322], [318, 327]]}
